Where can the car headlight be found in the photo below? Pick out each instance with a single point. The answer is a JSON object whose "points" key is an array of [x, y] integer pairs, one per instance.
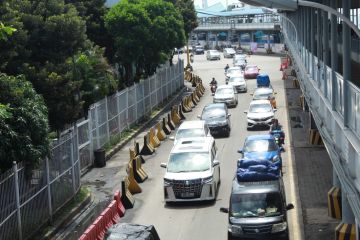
{"points": [[235, 229], [279, 227], [208, 179], [167, 182], [275, 158]]}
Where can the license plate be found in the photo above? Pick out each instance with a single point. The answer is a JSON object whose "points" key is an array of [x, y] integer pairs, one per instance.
{"points": [[187, 195]]}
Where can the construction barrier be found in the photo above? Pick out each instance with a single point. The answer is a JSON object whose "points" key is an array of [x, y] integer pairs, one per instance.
{"points": [[160, 134], [132, 184], [147, 149], [334, 203], [126, 196], [170, 122], [176, 119], [189, 102], [180, 112], [315, 138], [119, 205], [165, 127], [345, 231], [302, 102], [136, 152], [184, 105], [153, 139], [139, 173], [295, 83]]}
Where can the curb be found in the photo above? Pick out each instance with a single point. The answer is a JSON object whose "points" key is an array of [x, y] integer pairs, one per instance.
{"points": [[118, 146]]}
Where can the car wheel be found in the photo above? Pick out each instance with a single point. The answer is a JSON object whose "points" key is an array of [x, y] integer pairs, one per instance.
{"points": [[230, 237]]}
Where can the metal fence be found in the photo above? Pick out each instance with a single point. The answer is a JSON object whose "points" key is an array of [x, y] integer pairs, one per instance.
{"points": [[27, 201]]}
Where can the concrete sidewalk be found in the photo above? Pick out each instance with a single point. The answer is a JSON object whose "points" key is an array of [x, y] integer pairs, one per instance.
{"points": [[314, 171]]}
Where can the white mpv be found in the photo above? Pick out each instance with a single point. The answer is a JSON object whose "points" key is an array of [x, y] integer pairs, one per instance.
{"points": [[192, 171]]}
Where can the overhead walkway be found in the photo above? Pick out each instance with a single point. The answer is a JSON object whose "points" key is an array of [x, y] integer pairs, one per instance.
{"points": [[322, 37]]}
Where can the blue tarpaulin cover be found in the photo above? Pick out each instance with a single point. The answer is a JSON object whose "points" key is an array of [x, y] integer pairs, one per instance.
{"points": [[257, 170], [263, 80]]}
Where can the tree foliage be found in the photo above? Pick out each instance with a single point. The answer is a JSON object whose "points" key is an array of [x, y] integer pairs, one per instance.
{"points": [[187, 10], [50, 34], [144, 32], [23, 123]]}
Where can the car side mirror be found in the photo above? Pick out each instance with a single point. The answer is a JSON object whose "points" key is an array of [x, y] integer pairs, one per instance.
{"points": [[172, 138], [198, 116], [282, 149], [289, 206], [240, 151], [216, 163], [163, 165], [275, 110], [245, 111], [229, 114], [224, 210]]}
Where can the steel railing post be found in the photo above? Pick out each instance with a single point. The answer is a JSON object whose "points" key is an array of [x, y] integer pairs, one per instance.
{"points": [[17, 198]]}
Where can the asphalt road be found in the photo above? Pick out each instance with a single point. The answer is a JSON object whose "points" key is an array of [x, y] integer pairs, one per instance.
{"points": [[198, 221]]}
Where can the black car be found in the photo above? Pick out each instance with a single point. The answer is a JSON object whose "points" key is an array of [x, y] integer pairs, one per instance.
{"points": [[217, 118]]}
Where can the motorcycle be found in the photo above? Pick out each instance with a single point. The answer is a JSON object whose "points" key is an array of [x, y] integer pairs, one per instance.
{"points": [[213, 88], [279, 136]]}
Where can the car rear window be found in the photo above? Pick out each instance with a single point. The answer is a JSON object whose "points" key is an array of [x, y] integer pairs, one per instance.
{"points": [[260, 145]]}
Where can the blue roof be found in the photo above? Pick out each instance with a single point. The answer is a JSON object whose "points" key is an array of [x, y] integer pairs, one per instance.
{"points": [[259, 137], [217, 10]]}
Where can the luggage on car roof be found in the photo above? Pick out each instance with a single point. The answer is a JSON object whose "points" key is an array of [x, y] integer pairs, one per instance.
{"points": [[263, 80], [131, 231], [257, 170]]}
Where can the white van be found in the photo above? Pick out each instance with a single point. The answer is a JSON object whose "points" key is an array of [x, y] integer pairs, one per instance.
{"points": [[193, 171]]}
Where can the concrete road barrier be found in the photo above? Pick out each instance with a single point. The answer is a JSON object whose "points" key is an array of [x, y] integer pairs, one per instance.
{"points": [[139, 173], [147, 149], [130, 182], [165, 127], [160, 134], [170, 123], [126, 196], [153, 139]]}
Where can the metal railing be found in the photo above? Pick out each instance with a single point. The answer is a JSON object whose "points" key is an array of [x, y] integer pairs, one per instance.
{"points": [[27, 201]]}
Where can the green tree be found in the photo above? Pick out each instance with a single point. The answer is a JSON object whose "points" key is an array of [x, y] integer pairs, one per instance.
{"points": [[6, 31], [93, 12], [145, 33], [187, 10], [23, 123]]}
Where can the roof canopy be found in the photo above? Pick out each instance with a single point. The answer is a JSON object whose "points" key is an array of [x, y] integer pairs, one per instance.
{"points": [[289, 5]]}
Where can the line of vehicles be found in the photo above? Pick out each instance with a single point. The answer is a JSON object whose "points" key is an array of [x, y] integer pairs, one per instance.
{"points": [[257, 205]]}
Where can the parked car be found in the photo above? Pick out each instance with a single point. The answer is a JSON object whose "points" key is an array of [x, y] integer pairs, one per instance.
{"points": [[260, 113], [257, 210], [213, 55], [189, 129], [217, 117], [265, 93], [262, 147], [229, 52], [251, 71], [199, 50], [239, 83], [233, 72], [192, 171], [226, 94]]}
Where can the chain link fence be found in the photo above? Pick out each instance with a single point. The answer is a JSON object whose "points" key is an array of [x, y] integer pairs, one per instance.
{"points": [[27, 201]]}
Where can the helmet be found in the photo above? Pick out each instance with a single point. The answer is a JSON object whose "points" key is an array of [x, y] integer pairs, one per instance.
{"points": [[213, 78]]}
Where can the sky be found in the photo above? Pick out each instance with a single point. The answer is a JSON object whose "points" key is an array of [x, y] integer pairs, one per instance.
{"points": [[212, 2]]}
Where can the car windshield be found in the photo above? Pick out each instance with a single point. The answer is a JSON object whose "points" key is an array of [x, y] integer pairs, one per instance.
{"points": [[224, 91], [252, 68], [260, 145], [188, 162], [262, 95], [213, 51], [212, 113], [260, 108], [234, 71], [237, 79], [255, 205], [186, 133]]}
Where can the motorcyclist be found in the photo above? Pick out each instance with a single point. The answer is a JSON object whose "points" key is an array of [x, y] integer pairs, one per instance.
{"points": [[226, 67], [213, 82], [275, 126]]}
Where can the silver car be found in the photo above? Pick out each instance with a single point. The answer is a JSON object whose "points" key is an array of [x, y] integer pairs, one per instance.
{"points": [[260, 113], [213, 55], [226, 94], [232, 72], [229, 52], [239, 83]]}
